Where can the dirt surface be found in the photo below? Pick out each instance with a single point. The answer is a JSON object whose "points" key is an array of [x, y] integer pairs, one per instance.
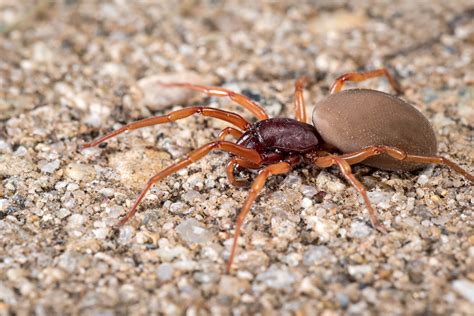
{"points": [[71, 71]]}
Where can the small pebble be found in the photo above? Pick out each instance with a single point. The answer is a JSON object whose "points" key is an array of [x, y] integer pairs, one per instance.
{"points": [[167, 253], [359, 271], [360, 229], [21, 151], [3, 204], [165, 272], [191, 231], [157, 97], [423, 179], [7, 295], [5, 147], [107, 192], [465, 288], [306, 202], [276, 278], [316, 255], [380, 199], [232, 286], [206, 277], [309, 190], [126, 234], [76, 221], [79, 172], [50, 167], [101, 233], [63, 213]]}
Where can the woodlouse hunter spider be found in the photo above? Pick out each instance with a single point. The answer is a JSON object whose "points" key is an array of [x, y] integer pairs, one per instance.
{"points": [[351, 126]]}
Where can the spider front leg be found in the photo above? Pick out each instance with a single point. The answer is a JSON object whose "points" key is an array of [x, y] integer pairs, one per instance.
{"points": [[257, 185], [327, 161], [245, 153], [227, 116], [242, 100], [361, 76]]}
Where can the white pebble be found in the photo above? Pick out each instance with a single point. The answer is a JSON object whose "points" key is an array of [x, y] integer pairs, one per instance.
{"points": [[191, 231], [107, 192], [3, 204], [316, 255], [381, 199], [191, 196], [277, 278], [167, 226], [5, 147], [360, 229], [101, 233], [72, 187], [165, 272], [422, 179], [169, 253], [324, 227], [7, 295], [63, 213], [308, 190], [78, 172], [231, 286], [465, 288], [157, 97], [114, 211], [76, 220], [179, 208], [125, 235], [306, 202], [359, 271], [21, 151], [50, 167]]}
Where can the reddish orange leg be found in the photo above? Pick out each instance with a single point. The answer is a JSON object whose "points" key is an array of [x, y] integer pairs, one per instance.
{"points": [[398, 154], [237, 162], [227, 116], [300, 108], [245, 153], [250, 105], [257, 185], [327, 161], [229, 131], [361, 76]]}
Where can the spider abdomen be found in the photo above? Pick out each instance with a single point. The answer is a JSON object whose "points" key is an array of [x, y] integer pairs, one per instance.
{"points": [[355, 119], [281, 135]]}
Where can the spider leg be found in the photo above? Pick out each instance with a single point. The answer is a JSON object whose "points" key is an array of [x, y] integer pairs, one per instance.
{"points": [[245, 153], [257, 185], [361, 76], [398, 154], [238, 162], [300, 108], [327, 161], [250, 105], [229, 131], [227, 116]]}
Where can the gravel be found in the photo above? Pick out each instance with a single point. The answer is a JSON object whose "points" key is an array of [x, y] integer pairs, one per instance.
{"points": [[71, 71]]}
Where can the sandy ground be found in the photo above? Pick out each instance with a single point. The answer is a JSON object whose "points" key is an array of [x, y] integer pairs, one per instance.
{"points": [[71, 71]]}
